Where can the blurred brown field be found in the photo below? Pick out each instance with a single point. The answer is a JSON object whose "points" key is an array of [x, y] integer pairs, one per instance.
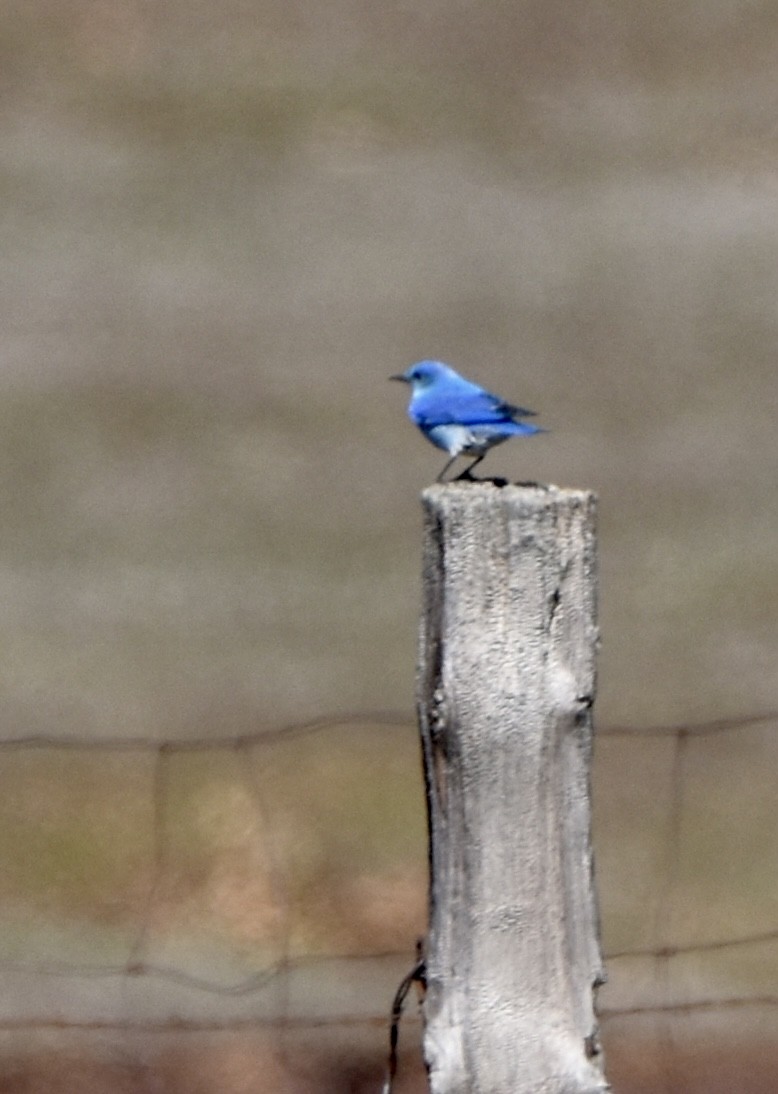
{"points": [[223, 229]]}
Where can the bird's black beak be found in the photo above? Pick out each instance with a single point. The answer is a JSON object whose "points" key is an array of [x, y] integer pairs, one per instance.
{"points": [[400, 377]]}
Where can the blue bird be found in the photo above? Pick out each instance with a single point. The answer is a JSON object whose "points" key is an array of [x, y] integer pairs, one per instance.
{"points": [[459, 416]]}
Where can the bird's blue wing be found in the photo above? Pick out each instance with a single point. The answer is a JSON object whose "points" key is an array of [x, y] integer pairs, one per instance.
{"points": [[465, 403]]}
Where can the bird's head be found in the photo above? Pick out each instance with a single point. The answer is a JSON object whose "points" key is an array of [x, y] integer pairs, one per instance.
{"points": [[423, 374]]}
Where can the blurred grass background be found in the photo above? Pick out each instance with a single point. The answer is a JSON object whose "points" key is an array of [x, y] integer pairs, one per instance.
{"points": [[223, 228]]}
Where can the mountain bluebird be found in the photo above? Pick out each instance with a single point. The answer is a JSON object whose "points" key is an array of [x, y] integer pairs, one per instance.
{"points": [[458, 415]]}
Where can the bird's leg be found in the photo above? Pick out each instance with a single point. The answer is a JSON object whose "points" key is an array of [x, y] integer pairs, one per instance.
{"points": [[467, 474], [445, 469]]}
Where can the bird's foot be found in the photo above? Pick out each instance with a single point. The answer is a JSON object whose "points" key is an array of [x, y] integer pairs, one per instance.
{"points": [[494, 480]]}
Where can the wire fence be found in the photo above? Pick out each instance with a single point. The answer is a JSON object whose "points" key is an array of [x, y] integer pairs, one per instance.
{"points": [[209, 885]]}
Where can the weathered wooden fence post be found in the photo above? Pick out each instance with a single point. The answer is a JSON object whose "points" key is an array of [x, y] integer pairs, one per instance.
{"points": [[506, 683]]}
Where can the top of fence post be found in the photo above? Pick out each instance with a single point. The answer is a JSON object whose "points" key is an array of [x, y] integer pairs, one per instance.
{"points": [[505, 689]]}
